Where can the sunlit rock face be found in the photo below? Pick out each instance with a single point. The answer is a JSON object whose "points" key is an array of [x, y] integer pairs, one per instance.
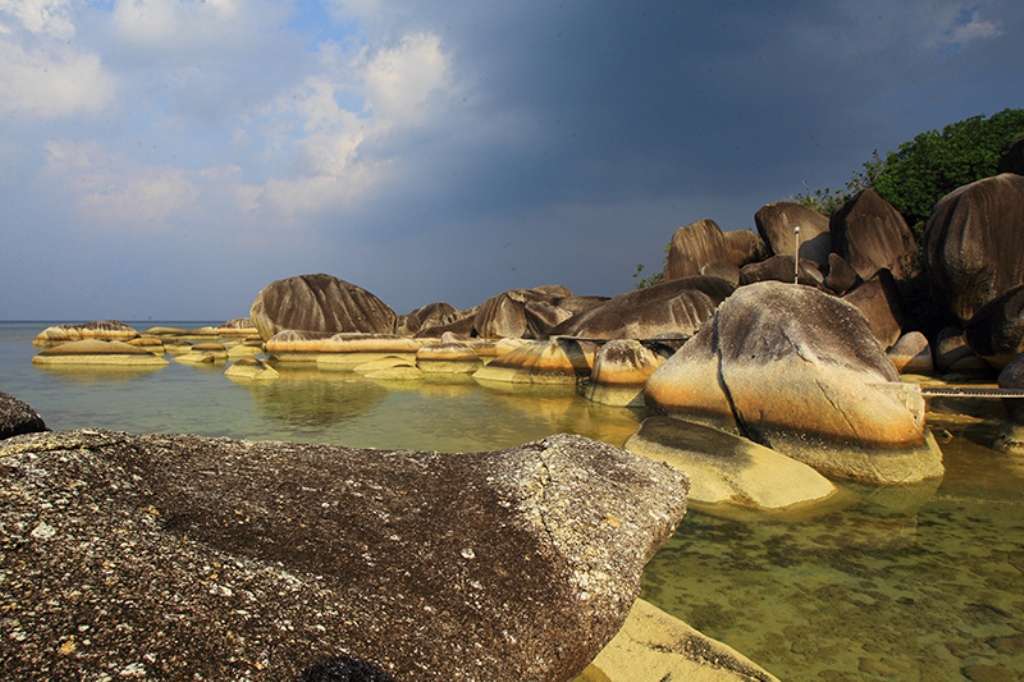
{"points": [[621, 368], [724, 468], [18, 417], [540, 362], [974, 243], [448, 357], [673, 309], [693, 246], [745, 246], [870, 234], [775, 223], [103, 330], [251, 369], [96, 352], [799, 370], [320, 303], [273, 557]]}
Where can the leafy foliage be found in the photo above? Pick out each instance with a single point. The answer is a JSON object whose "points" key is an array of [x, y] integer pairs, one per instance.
{"points": [[644, 282]]}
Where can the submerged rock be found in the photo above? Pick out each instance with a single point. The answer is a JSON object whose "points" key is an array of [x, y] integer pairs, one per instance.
{"points": [[17, 417], [320, 303], [870, 234], [95, 352], [775, 223], [673, 309], [974, 243], [621, 368], [798, 370], [653, 646], [228, 559], [252, 369], [912, 354], [727, 469], [103, 330]]}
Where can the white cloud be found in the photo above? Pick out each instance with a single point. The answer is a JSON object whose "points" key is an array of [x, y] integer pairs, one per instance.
{"points": [[188, 24], [973, 30], [52, 82], [47, 17], [116, 192], [400, 80]]}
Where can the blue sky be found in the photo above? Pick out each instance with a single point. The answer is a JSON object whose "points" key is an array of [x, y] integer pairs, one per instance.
{"points": [[167, 158]]}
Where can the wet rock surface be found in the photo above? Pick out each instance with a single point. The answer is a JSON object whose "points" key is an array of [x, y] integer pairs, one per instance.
{"points": [[320, 303], [18, 417], [179, 556]]}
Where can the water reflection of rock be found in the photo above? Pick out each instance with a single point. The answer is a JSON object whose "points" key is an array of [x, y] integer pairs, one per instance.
{"points": [[307, 397], [95, 374]]}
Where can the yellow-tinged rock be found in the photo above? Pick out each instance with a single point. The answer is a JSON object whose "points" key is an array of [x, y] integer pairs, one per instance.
{"points": [[251, 369], [106, 330], [621, 368], [450, 357], [653, 646], [539, 362], [95, 352]]}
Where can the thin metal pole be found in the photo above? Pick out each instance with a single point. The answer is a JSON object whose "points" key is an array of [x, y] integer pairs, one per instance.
{"points": [[796, 255]]}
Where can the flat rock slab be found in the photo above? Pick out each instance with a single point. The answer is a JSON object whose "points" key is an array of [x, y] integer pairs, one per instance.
{"points": [[653, 646], [726, 469], [181, 557]]}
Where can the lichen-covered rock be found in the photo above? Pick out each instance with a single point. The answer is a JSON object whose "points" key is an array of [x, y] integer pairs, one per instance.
{"points": [[540, 362], [18, 417], [320, 303], [878, 300], [974, 243], [799, 370], [996, 332], [781, 269], [227, 559], [726, 469], [869, 234], [102, 330], [431, 315], [693, 246], [621, 368], [653, 646], [96, 352], [775, 223], [673, 309], [251, 369], [912, 354]]}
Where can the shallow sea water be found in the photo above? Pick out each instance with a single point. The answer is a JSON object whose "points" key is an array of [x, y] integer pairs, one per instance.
{"points": [[921, 583]]}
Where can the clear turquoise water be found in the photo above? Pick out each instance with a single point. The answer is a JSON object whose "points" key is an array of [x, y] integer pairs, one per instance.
{"points": [[924, 583]]}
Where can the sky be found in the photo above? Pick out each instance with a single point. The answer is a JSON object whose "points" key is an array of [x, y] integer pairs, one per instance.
{"points": [[165, 159]]}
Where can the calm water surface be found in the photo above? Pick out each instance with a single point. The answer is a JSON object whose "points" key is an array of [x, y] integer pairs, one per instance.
{"points": [[925, 583]]}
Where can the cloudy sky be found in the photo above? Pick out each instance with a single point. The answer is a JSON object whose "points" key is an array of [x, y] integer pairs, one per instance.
{"points": [[165, 159]]}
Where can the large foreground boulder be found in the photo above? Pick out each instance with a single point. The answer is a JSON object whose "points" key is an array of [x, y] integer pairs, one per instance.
{"points": [[996, 332], [870, 234], [179, 557], [320, 303], [103, 330], [974, 243], [775, 223], [17, 417], [798, 370], [727, 469], [672, 309]]}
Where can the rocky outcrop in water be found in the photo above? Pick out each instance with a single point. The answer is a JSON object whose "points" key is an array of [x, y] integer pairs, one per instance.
{"points": [[102, 330], [726, 469], [799, 371], [672, 309], [540, 362], [251, 369], [17, 417], [996, 332], [775, 223], [869, 234], [621, 368], [95, 352], [320, 303], [180, 556], [448, 357], [974, 243]]}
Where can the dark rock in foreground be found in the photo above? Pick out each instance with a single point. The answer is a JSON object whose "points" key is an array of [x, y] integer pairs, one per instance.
{"points": [[175, 557], [17, 417], [320, 303]]}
